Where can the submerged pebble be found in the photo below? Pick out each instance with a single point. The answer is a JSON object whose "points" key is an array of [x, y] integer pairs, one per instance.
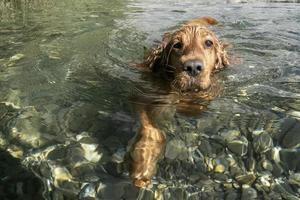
{"points": [[294, 179], [291, 138], [88, 191], [219, 168], [238, 146], [16, 57], [247, 179], [248, 193], [230, 135], [262, 143], [61, 174], [176, 149]]}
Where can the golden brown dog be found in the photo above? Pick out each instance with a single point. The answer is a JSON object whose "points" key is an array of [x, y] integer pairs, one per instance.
{"points": [[187, 59]]}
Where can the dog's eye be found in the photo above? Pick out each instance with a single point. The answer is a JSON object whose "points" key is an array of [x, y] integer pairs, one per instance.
{"points": [[177, 45], [208, 43]]}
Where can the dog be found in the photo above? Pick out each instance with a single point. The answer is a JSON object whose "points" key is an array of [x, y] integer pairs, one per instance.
{"points": [[186, 59]]}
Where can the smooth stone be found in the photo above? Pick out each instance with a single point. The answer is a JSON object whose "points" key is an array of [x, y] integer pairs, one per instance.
{"points": [[15, 151], [220, 165], [16, 57], [88, 191], [236, 185], [284, 189], [281, 128], [231, 195], [248, 193], [290, 159], [246, 178], [58, 153], [119, 155], [272, 195], [229, 135], [238, 146], [116, 190], [277, 170], [227, 186], [267, 165], [236, 170], [219, 168], [250, 163], [85, 172], [146, 194], [91, 153], [264, 182], [61, 176], [294, 179], [205, 148], [176, 149], [220, 177], [292, 137], [177, 193], [262, 143]]}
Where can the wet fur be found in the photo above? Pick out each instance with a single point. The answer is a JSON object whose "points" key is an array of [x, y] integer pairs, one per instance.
{"points": [[161, 60], [167, 62]]}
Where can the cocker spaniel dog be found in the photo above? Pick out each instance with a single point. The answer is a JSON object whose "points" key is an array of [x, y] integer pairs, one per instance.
{"points": [[187, 59]]}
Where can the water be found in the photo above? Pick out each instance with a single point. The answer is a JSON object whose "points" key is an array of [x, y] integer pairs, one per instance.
{"points": [[66, 116]]}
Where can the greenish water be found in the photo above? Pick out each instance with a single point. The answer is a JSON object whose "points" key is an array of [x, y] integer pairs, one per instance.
{"points": [[66, 118]]}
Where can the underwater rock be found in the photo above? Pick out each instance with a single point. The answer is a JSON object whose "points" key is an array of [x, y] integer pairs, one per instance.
{"points": [[88, 191], [116, 190], [220, 165], [262, 143], [291, 138], [219, 168], [16, 57], [290, 158], [247, 179], [91, 153], [250, 163], [238, 146], [61, 174], [176, 149], [54, 55], [277, 170], [119, 155], [205, 147], [89, 146], [294, 179], [16, 181], [267, 165], [230, 135], [248, 193], [263, 183], [57, 154], [146, 194], [85, 172], [231, 194], [93, 16], [15, 151], [3, 141], [284, 189], [27, 128]]}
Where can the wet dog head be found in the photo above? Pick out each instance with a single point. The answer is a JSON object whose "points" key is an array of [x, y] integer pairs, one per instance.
{"points": [[189, 56]]}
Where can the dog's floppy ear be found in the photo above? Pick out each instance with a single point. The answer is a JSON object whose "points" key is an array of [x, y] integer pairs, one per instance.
{"points": [[156, 57], [222, 56], [202, 21]]}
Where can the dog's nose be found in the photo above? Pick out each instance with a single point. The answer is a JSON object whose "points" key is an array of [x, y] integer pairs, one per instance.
{"points": [[193, 67]]}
